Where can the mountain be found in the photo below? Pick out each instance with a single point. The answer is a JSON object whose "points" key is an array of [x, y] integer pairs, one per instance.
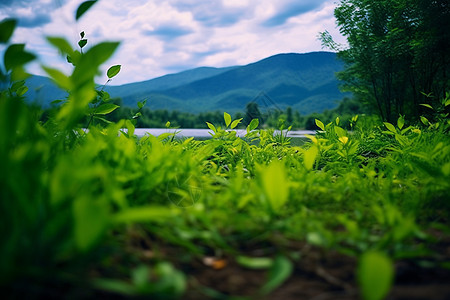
{"points": [[306, 82], [165, 82], [42, 90]]}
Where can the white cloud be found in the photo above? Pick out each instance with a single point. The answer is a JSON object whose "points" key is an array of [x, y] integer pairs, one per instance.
{"points": [[235, 3], [158, 37]]}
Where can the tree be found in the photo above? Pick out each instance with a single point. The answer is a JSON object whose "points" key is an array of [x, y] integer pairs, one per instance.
{"points": [[289, 116], [399, 51], [252, 112]]}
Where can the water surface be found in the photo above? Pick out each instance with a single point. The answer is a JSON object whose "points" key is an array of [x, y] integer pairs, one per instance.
{"points": [[206, 133]]}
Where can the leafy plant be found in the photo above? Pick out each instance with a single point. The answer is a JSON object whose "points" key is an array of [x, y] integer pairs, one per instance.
{"points": [[104, 213], [375, 275]]}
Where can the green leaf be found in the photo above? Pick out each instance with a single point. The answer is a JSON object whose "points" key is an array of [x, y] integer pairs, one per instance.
{"points": [[104, 96], [102, 119], [7, 27], [59, 78], [83, 8], [424, 120], [390, 127], [143, 214], [309, 157], [101, 52], [275, 185], [164, 136], [113, 71], [211, 126], [61, 44], [427, 105], [105, 109], [235, 123], [281, 270], [168, 124], [340, 132], [16, 56], [74, 58], [130, 127], [19, 73], [82, 34], [137, 115], [400, 122], [140, 276], [82, 43], [88, 64], [255, 262], [315, 238], [17, 85], [115, 286], [69, 60], [56, 101], [91, 219], [21, 91], [320, 124], [227, 119], [170, 279], [253, 125], [375, 275], [19, 88], [446, 169]]}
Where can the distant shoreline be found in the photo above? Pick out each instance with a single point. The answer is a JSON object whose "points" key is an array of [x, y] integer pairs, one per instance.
{"points": [[205, 133]]}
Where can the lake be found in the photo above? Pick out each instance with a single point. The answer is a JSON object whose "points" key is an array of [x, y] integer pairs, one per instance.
{"points": [[205, 133]]}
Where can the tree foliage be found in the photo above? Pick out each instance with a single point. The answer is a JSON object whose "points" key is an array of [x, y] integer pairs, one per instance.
{"points": [[398, 55], [252, 112]]}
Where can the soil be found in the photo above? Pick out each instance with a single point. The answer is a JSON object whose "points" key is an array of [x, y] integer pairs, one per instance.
{"points": [[320, 275]]}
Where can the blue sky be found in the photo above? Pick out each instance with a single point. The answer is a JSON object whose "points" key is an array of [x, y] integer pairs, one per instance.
{"points": [[159, 37]]}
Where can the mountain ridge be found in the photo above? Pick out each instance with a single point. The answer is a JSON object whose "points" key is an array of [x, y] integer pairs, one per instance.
{"points": [[306, 82]]}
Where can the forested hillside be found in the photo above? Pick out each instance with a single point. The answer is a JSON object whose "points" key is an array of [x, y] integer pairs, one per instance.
{"points": [[305, 82]]}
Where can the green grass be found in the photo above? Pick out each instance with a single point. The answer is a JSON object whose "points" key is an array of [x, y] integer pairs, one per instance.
{"points": [[73, 206]]}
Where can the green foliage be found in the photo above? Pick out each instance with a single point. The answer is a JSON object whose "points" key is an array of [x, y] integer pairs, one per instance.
{"points": [[113, 71], [252, 112], [253, 125], [16, 56], [275, 185], [389, 46], [83, 8], [309, 157], [7, 27], [227, 118], [320, 124], [278, 273], [255, 262], [99, 211], [170, 283], [375, 275]]}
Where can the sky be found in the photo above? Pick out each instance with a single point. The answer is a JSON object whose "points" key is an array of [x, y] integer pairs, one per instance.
{"points": [[160, 37]]}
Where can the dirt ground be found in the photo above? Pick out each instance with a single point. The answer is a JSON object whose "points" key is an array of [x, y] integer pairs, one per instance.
{"points": [[320, 275]]}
